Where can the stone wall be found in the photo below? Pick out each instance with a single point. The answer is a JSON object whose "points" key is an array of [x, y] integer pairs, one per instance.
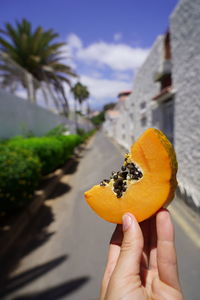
{"points": [[185, 42], [144, 89], [122, 125]]}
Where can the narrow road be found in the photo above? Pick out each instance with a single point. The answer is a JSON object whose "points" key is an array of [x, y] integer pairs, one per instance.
{"points": [[63, 252]]}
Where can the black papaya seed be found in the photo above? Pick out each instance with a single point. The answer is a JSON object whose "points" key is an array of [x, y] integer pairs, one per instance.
{"points": [[119, 181], [119, 195], [124, 175]]}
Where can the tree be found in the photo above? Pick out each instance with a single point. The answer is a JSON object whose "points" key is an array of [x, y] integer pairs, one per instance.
{"points": [[100, 117], [36, 52], [109, 106], [80, 93]]}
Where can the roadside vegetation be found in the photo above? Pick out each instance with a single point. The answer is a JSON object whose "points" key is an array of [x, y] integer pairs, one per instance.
{"points": [[24, 161], [30, 57], [100, 118]]}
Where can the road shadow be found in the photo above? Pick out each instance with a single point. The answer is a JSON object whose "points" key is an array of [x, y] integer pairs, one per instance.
{"points": [[73, 165], [34, 235], [56, 292], [18, 281], [46, 180], [60, 189], [69, 168]]}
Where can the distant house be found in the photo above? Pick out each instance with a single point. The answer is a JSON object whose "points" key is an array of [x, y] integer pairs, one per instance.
{"points": [[167, 96], [115, 124]]}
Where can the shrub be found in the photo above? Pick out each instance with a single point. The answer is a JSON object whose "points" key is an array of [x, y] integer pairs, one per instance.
{"points": [[99, 119], [19, 176], [48, 149], [81, 131], [52, 151], [85, 134], [22, 161], [58, 130], [69, 142]]}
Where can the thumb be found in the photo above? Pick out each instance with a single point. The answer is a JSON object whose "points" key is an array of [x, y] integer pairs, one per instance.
{"points": [[131, 248]]}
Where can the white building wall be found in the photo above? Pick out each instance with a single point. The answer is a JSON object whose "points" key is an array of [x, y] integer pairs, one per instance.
{"points": [[185, 47], [144, 89], [128, 120], [122, 125], [185, 42]]}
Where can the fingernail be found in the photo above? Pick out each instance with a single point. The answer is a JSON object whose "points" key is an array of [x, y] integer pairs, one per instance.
{"points": [[127, 221]]}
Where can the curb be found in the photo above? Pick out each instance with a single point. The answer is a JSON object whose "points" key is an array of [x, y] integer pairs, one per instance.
{"points": [[24, 218]]}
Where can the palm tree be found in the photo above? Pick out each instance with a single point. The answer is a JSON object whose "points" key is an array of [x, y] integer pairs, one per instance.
{"points": [[80, 93], [37, 53]]}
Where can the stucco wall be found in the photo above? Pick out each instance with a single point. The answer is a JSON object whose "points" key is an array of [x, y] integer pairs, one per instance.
{"points": [[18, 116], [122, 125], [185, 42], [128, 123], [144, 88]]}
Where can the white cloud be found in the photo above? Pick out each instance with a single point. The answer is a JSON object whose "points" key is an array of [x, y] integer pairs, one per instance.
{"points": [[116, 56], [96, 74], [74, 41], [104, 88], [105, 68], [127, 76], [67, 56], [117, 36]]}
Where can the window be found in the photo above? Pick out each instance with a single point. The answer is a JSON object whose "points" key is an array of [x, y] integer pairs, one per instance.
{"points": [[131, 116], [144, 121], [143, 105], [168, 119]]}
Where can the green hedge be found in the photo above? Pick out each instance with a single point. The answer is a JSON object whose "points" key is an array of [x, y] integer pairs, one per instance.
{"points": [[69, 142], [57, 131], [24, 160], [85, 134], [52, 151], [48, 149], [19, 176]]}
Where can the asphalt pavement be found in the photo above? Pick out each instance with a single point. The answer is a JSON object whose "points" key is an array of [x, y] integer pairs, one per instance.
{"points": [[62, 254]]}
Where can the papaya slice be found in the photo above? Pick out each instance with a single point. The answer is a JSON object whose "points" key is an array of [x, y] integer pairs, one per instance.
{"points": [[145, 183]]}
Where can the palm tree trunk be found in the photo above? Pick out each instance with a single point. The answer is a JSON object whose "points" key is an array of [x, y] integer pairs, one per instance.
{"points": [[30, 87], [49, 87], [80, 105], [43, 88]]}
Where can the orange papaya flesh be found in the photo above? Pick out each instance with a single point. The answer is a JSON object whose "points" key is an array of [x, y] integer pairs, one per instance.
{"points": [[146, 182]]}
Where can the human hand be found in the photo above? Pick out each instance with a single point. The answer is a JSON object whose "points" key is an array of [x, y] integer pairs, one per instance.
{"points": [[142, 262]]}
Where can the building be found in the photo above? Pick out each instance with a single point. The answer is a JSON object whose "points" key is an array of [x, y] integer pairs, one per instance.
{"points": [[167, 96], [116, 124]]}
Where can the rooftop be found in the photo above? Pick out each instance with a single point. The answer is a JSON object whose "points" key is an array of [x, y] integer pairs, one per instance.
{"points": [[124, 93]]}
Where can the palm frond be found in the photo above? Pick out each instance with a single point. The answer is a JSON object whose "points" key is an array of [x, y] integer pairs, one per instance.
{"points": [[36, 52]]}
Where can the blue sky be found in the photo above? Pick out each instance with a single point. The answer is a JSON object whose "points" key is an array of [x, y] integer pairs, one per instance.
{"points": [[107, 40]]}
